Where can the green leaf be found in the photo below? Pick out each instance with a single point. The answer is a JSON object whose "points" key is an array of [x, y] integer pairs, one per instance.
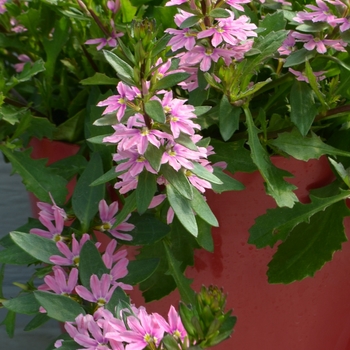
{"points": [[277, 223], [309, 246], [24, 304], [154, 156], [70, 166], [276, 186], [40, 127], [202, 209], [341, 171], [39, 247], [30, 71], [177, 179], [228, 118], [182, 209], [99, 79], [204, 238], [228, 182], [186, 141], [200, 110], [170, 80], [86, 198], [59, 307], [160, 45], [219, 13], [129, 206], [205, 174], [37, 178], [298, 57], [90, 263], [117, 296], [234, 154], [36, 322], [155, 110], [189, 22], [97, 139], [139, 270], [305, 147], [72, 129], [314, 84], [123, 70], [146, 188], [16, 256], [148, 230], [303, 109], [183, 283], [108, 176], [273, 22], [10, 323]]}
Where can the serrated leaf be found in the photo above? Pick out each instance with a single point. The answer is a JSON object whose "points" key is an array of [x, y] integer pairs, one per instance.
{"points": [[309, 246], [37, 178], [59, 307], [228, 182], [170, 80], [155, 110], [178, 180], [139, 270], [39, 247], [273, 22], [202, 209], [277, 223], [228, 118], [24, 304], [123, 70], [30, 71], [70, 166], [276, 186], [182, 209], [85, 199], [99, 79], [146, 188], [305, 147], [341, 171], [90, 263], [183, 283]]}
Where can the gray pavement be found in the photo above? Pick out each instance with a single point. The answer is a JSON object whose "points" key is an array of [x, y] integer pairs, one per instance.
{"points": [[14, 212]]}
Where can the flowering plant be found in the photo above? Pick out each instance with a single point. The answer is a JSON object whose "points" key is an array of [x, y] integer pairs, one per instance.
{"points": [[182, 93]]}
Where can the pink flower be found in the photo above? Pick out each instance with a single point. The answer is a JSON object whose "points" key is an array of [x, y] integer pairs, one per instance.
{"points": [[175, 2], [302, 77], [101, 290], [60, 282], [71, 256], [236, 4], [118, 102], [143, 330], [23, 59], [2, 6]]}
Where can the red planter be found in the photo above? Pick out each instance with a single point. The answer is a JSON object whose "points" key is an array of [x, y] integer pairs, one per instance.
{"points": [[313, 314]]}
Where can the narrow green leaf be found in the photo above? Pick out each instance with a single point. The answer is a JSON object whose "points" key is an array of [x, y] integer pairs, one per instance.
{"points": [[39, 247], [85, 198], [186, 141], [314, 85], [155, 110], [146, 188], [276, 186], [200, 110], [37, 178], [309, 246], [182, 209], [277, 223], [183, 283], [177, 179], [90, 263], [10, 323], [170, 80], [228, 118], [23, 304], [205, 174], [228, 182], [298, 57], [129, 206], [202, 209], [29, 71], [139, 270], [108, 119], [305, 147], [219, 13], [189, 22], [108, 176], [99, 79], [154, 156], [160, 45], [303, 109], [123, 70], [59, 307], [97, 139], [204, 238]]}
